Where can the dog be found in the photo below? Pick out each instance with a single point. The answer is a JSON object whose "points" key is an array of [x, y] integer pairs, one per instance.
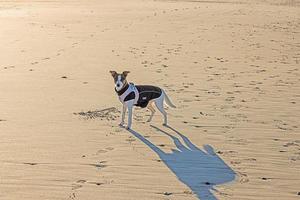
{"points": [[139, 95]]}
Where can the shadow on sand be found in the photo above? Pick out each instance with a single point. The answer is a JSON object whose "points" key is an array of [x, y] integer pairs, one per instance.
{"points": [[199, 170]]}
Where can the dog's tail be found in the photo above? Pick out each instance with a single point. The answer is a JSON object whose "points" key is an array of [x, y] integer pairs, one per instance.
{"points": [[167, 100]]}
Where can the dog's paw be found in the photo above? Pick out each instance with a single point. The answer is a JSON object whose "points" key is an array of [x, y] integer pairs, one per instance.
{"points": [[121, 124], [165, 124]]}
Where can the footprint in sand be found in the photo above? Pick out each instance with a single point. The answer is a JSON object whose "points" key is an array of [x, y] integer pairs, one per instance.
{"points": [[76, 186], [95, 183], [243, 177], [292, 143], [72, 196], [81, 181], [74, 44], [34, 63], [101, 151], [282, 125], [130, 139], [99, 165], [9, 67], [144, 63], [30, 163], [104, 150]]}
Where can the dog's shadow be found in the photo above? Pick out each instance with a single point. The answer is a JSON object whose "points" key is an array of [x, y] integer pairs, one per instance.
{"points": [[199, 170]]}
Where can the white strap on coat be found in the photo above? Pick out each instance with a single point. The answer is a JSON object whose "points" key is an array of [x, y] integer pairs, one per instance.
{"points": [[130, 89]]}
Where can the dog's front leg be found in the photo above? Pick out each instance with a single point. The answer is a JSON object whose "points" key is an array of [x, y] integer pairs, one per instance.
{"points": [[129, 116], [123, 115]]}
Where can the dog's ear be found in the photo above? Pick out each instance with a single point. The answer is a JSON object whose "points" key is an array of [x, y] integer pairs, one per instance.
{"points": [[113, 73], [125, 73]]}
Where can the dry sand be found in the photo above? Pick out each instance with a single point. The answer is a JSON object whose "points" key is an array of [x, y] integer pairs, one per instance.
{"points": [[231, 67]]}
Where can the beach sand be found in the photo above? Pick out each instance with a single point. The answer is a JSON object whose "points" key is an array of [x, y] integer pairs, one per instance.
{"points": [[230, 67]]}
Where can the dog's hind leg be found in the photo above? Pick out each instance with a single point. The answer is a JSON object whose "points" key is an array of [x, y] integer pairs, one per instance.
{"points": [[150, 107], [159, 102]]}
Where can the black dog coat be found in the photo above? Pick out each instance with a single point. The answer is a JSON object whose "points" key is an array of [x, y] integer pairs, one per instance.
{"points": [[141, 94]]}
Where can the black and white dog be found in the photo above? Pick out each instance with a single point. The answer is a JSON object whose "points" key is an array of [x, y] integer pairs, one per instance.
{"points": [[139, 95]]}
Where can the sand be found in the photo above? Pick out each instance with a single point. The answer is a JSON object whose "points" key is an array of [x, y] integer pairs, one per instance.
{"points": [[231, 68]]}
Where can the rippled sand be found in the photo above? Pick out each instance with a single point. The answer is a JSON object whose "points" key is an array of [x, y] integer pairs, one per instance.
{"points": [[231, 68]]}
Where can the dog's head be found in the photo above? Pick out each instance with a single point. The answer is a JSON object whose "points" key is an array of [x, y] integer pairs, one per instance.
{"points": [[119, 79]]}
